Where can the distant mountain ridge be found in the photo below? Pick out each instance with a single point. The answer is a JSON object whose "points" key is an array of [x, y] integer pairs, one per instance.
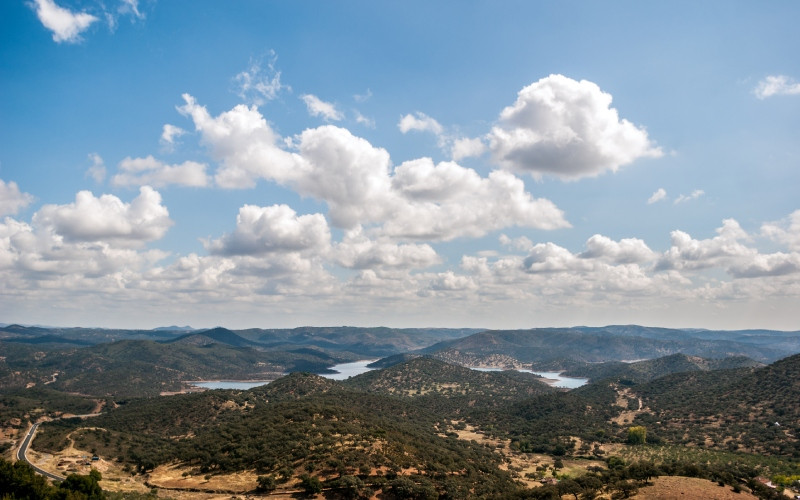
{"points": [[644, 371], [215, 335], [613, 343]]}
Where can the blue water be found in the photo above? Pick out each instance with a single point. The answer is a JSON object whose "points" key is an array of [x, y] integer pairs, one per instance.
{"points": [[343, 371], [230, 384], [347, 370], [558, 379]]}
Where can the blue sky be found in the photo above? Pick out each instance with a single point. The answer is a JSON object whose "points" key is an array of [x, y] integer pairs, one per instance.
{"points": [[487, 164]]}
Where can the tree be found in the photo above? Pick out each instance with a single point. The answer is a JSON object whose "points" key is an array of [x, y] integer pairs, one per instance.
{"points": [[87, 485], [637, 435], [310, 484], [266, 484]]}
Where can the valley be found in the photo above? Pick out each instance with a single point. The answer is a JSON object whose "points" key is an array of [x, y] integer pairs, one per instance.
{"points": [[337, 421]]}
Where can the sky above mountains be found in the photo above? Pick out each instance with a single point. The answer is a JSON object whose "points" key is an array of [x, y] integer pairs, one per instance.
{"points": [[488, 164]]}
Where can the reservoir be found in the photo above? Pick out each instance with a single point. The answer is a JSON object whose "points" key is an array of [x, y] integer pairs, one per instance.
{"points": [[343, 371], [553, 378], [347, 370]]}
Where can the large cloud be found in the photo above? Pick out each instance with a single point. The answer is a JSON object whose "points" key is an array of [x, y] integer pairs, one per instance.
{"points": [[355, 179], [66, 25], [347, 172], [447, 201], [357, 251], [244, 143], [275, 229], [689, 253], [625, 251], [108, 218], [566, 128], [12, 199]]}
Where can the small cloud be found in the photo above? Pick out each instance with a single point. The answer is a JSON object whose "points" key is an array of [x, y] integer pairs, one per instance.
{"points": [[421, 122], [697, 193], [97, 170], [318, 107], [260, 82], [522, 243], [659, 195], [131, 7], [12, 199], [149, 171], [363, 120], [776, 85], [169, 133], [363, 97], [66, 25]]}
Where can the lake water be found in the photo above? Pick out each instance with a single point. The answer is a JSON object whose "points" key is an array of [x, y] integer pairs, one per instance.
{"points": [[241, 385], [347, 370], [553, 378], [343, 371]]}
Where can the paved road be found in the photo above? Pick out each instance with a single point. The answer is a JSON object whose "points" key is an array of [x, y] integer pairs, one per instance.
{"points": [[23, 452]]}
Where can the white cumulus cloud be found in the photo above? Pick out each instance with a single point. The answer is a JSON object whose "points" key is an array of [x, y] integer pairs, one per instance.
{"points": [[66, 25], [776, 85], [318, 107], [152, 172], [97, 170], [466, 147], [419, 122], [261, 81], [354, 178], [107, 218], [566, 128], [357, 251], [625, 251], [689, 253], [659, 195], [697, 193], [169, 133], [277, 228], [786, 231], [12, 199]]}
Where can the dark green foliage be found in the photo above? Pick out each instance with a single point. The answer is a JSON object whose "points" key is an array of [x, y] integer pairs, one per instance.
{"points": [[266, 484], [451, 391], [753, 410], [310, 484], [87, 487], [541, 345], [637, 435], [301, 422], [18, 481], [24, 403], [651, 369]]}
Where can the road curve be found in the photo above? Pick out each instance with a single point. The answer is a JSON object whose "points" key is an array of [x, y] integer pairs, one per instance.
{"points": [[22, 454]]}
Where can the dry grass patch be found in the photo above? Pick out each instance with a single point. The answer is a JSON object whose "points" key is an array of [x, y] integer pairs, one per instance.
{"points": [[681, 488]]}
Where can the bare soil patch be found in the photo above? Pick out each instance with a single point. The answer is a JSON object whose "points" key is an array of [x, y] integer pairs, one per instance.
{"points": [[684, 488]]}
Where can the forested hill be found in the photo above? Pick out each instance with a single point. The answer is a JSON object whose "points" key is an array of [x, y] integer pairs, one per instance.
{"points": [[136, 368], [644, 371], [612, 344], [425, 376], [366, 342], [753, 409]]}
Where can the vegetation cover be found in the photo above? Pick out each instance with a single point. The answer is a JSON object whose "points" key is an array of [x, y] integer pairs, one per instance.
{"points": [[420, 427]]}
